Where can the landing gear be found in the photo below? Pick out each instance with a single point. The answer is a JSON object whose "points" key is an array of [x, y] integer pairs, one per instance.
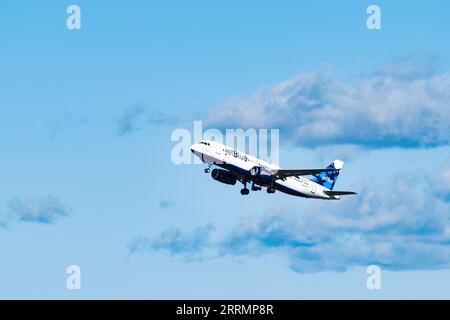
{"points": [[255, 187], [207, 170], [271, 190], [245, 191]]}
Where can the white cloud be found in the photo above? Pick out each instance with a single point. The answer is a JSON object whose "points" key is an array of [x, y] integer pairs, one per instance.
{"points": [[46, 210], [139, 116], [400, 224], [132, 119], [176, 241], [403, 104], [440, 181]]}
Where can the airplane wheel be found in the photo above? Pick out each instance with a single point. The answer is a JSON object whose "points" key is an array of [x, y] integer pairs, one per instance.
{"points": [[245, 192], [207, 170], [271, 190]]}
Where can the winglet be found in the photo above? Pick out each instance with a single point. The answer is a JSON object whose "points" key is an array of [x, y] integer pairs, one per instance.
{"points": [[338, 164]]}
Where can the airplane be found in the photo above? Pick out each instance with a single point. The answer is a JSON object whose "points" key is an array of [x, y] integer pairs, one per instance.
{"points": [[238, 166]]}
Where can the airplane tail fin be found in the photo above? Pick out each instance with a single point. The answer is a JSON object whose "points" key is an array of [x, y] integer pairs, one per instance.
{"points": [[328, 179]]}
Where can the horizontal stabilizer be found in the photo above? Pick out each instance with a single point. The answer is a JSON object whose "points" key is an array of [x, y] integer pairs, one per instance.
{"points": [[339, 193]]}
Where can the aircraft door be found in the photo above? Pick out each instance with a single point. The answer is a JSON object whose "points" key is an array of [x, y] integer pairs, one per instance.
{"points": [[218, 152], [218, 148]]}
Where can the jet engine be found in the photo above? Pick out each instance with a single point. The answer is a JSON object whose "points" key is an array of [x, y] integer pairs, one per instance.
{"points": [[262, 174], [223, 176]]}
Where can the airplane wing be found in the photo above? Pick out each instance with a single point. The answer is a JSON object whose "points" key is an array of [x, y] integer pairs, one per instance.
{"points": [[301, 172], [339, 193]]}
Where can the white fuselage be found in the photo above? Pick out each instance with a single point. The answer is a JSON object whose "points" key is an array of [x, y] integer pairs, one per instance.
{"points": [[239, 163]]}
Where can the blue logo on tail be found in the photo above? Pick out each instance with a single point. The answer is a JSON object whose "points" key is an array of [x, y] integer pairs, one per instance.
{"points": [[328, 179]]}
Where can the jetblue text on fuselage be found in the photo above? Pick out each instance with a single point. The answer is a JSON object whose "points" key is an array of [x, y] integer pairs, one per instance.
{"points": [[236, 154]]}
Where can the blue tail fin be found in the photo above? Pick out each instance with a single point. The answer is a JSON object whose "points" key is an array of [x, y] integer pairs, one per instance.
{"points": [[328, 179]]}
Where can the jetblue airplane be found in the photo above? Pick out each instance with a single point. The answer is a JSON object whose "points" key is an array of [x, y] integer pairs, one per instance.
{"points": [[238, 166]]}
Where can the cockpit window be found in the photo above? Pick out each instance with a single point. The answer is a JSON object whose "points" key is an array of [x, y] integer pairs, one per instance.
{"points": [[205, 143]]}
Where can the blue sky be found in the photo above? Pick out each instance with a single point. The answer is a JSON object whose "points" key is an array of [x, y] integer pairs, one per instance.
{"points": [[85, 123]]}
